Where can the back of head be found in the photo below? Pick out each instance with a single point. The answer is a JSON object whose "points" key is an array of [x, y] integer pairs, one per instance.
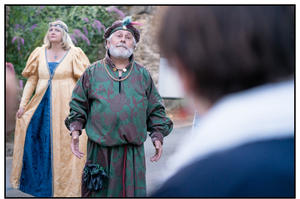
{"points": [[227, 49]]}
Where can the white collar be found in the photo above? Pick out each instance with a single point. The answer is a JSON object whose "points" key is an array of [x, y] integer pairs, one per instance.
{"points": [[256, 114]]}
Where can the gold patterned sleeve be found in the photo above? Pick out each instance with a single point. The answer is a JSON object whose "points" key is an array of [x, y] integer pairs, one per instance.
{"points": [[31, 72], [80, 63]]}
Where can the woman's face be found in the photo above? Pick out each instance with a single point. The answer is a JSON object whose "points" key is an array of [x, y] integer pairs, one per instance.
{"points": [[55, 34]]}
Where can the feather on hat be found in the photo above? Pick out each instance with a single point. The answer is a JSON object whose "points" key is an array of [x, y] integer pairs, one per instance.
{"points": [[125, 24]]}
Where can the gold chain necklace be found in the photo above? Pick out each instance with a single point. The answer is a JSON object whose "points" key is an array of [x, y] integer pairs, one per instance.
{"points": [[112, 77]]}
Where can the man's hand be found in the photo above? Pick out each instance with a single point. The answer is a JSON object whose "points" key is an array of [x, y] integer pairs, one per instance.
{"points": [[20, 112], [158, 151], [75, 145]]}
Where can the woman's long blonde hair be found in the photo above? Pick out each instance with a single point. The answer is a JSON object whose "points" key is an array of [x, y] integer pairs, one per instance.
{"points": [[66, 42]]}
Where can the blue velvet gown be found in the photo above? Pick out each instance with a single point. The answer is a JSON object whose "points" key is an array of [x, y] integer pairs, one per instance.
{"points": [[36, 176]]}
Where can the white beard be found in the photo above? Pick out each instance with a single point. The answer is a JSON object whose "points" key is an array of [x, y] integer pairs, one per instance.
{"points": [[120, 52]]}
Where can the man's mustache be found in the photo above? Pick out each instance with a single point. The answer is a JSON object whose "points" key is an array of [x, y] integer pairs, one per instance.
{"points": [[122, 45]]}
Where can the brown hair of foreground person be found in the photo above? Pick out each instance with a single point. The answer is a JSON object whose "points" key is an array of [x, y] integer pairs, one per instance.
{"points": [[226, 49]]}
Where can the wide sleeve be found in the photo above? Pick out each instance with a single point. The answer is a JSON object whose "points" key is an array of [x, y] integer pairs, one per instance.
{"points": [[79, 105], [31, 72], [80, 62], [158, 124]]}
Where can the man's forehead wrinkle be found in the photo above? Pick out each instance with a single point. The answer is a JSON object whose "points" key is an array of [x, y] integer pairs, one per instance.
{"points": [[123, 32]]}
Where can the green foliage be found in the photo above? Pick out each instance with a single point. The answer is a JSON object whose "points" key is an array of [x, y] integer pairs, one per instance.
{"points": [[29, 24]]}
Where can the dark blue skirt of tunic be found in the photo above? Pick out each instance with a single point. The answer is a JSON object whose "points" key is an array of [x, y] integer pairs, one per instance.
{"points": [[36, 176]]}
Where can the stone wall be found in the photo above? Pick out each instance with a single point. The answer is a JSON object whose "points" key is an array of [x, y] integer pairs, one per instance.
{"points": [[147, 52]]}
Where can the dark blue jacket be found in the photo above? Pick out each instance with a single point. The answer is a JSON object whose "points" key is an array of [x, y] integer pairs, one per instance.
{"points": [[258, 169]]}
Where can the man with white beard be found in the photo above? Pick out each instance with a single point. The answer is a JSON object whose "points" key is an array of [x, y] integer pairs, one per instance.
{"points": [[116, 102]]}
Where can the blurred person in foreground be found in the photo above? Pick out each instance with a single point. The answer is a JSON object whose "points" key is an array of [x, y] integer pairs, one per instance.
{"points": [[237, 63], [116, 102], [11, 96], [43, 163]]}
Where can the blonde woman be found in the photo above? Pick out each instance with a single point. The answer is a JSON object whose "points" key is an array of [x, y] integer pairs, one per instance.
{"points": [[43, 163]]}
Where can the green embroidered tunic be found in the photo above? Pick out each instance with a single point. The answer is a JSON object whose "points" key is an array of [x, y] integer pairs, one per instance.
{"points": [[116, 117]]}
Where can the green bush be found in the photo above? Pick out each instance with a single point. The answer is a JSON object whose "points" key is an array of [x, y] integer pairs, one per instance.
{"points": [[26, 27]]}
